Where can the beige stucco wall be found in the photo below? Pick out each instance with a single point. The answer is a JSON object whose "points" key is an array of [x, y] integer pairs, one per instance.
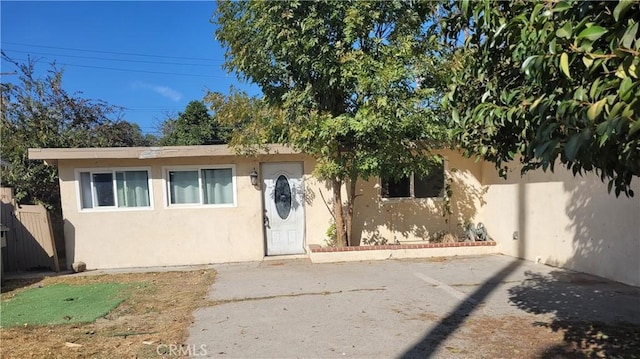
{"points": [[177, 236], [565, 221], [378, 220], [560, 220]]}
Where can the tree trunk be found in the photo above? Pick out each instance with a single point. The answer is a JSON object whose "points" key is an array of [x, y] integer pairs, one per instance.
{"points": [[353, 180], [341, 235]]}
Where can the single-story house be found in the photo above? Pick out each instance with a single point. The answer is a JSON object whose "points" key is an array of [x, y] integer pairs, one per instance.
{"points": [[184, 205]]}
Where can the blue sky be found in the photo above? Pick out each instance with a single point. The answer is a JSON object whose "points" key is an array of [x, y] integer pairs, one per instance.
{"points": [[99, 45]]}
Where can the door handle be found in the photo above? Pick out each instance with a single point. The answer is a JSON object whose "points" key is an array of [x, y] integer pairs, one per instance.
{"points": [[265, 221]]}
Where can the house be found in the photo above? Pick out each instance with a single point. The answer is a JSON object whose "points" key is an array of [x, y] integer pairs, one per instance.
{"points": [[162, 206]]}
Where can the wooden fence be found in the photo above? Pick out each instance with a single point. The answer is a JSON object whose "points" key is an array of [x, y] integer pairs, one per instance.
{"points": [[30, 241]]}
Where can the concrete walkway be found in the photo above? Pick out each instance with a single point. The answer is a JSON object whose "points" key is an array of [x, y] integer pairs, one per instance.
{"points": [[391, 309]]}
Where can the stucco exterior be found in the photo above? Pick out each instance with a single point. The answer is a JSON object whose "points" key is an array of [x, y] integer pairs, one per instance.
{"points": [[565, 221], [164, 236], [378, 220], [557, 219]]}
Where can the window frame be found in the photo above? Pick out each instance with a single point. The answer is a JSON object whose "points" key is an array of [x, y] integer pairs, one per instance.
{"points": [[111, 170], [445, 170], [166, 190]]}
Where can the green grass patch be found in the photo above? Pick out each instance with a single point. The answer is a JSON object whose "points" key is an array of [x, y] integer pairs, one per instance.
{"points": [[61, 304]]}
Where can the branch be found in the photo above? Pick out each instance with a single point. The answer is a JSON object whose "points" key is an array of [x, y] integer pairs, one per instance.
{"points": [[327, 205]]}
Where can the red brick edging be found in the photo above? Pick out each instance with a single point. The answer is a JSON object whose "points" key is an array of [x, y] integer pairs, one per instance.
{"points": [[401, 246]]}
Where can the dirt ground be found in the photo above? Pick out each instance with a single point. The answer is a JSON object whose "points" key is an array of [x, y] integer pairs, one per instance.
{"points": [[155, 315], [513, 337]]}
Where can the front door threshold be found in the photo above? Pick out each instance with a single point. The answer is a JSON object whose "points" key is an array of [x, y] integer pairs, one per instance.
{"points": [[278, 257]]}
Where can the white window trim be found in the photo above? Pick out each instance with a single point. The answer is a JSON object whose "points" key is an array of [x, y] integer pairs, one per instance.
{"points": [[113, 171], [391, 200], [198, 168]]}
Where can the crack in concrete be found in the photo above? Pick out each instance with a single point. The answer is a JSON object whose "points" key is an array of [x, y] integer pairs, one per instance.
{"points": [[291, 295], [479, 284]]}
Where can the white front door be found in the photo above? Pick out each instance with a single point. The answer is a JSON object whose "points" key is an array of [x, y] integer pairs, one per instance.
{"points": [[283, 193]]}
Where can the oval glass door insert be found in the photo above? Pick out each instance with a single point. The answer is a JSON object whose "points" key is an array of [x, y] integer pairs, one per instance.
{"points": [[282, 197]]}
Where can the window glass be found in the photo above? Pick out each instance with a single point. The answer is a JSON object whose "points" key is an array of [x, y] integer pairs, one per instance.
{"points": [[85, 190], [396, 188], [431, 185], [282, 197], [132, 188], [217, 186], [427, 186], [184, 187], [103, 187]]}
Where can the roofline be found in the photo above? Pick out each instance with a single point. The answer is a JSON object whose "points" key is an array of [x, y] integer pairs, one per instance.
{"points": [[52, 155]]}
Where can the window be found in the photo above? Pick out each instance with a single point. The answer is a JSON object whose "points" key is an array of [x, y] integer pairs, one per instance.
{"points": [[114, 189], [201, 186], [414, 186]]}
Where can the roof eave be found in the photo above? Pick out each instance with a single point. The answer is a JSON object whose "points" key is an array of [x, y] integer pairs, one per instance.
{"points": [[52, 155]]}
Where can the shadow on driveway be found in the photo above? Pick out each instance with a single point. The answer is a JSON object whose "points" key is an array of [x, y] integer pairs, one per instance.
{"points": [[597, 317], [450, 324]]}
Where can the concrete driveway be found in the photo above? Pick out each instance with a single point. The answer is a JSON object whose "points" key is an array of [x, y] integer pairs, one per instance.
{"points": [[461, 307]]}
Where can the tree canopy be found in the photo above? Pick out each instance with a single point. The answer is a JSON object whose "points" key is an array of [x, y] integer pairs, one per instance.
{"points": [[547, 81], [194, 126], [38, 112], [253, 122], [344, 78]]}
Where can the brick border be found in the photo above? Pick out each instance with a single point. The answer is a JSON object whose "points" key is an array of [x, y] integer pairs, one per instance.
{"points": [[318, 249]]}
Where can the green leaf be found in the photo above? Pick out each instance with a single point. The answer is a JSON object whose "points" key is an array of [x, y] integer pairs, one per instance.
{"points": [[620, 9], [455, 116], [552, 46], [620, 73], [540, 150], [615, 110], [564, 64], [594, 110], [629, 36], [572, 146], [624, 92], [582, 23], [586, 45], [528, 61], [535, 12], [587, 61], [634, 128], [565, 31], [604, 138], [465, 6], [561, 6], [592, 33], [628, 111], [594, 88], [536, 103]]}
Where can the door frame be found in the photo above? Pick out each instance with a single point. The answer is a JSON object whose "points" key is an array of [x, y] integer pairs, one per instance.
{"points": [[264, 207]]}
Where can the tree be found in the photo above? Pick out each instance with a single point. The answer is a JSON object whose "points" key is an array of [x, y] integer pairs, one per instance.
{"points": [[38, 112], [343, 78], [194, 126], [548, 80], [253, 122], [121, 134]]}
